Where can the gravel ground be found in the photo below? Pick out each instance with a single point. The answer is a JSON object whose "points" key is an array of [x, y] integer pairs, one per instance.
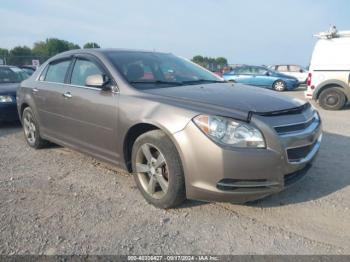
{"points": [[56, 201]]}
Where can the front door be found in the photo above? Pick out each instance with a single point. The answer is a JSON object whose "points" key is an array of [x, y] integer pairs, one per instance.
{"points": [[90, 113]]}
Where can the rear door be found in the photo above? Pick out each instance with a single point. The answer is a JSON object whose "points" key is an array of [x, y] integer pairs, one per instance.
{"points": [[90, 113], [47, 95]]}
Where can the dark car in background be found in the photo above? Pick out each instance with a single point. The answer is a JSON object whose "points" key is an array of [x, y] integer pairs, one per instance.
{"points": [[29, 69], [10, 78], [262, 77]]}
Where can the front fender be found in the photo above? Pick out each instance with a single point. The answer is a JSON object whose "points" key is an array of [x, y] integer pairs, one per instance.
{"points": [[25, 98]]}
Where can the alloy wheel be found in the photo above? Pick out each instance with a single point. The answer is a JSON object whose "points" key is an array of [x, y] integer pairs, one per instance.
{"points": [[279, 86], [152, 171], [29, 128]]}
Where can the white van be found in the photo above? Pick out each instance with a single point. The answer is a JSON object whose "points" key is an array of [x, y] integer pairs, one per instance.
{"points": [[328, 81]]}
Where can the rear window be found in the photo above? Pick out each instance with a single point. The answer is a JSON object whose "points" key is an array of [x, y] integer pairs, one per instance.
{"points": [[56, 71]]}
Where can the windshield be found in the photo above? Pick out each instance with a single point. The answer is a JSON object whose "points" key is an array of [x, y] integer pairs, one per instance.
{"points": [[12, 75], [154, 70]]}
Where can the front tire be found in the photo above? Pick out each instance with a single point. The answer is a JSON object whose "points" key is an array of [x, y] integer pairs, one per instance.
{"points": [[332, 99], [158, 170], [31, 129], [279, 86]]}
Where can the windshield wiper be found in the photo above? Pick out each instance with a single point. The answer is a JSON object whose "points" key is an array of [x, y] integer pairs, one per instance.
{"points": [[156, 82]]}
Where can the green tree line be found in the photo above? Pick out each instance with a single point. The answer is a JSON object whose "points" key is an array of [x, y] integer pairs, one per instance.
{"points": [[211, 63], [41, 50]]}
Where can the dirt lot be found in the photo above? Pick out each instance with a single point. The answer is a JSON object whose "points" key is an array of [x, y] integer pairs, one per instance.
{"points": [[56, 201]]}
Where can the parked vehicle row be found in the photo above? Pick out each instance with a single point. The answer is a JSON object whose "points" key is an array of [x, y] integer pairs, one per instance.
{"points": [[183, 131]]}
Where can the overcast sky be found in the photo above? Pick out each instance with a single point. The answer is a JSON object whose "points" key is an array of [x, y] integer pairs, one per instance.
{"points": [[252, 32]]}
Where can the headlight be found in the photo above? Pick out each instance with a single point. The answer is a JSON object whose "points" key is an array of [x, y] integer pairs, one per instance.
{"points": [[229, 132], [6, 99]]}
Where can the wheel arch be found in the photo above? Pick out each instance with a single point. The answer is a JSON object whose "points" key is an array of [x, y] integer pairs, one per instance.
{"points": [[23, 106], [332, 84], [133, 133]]}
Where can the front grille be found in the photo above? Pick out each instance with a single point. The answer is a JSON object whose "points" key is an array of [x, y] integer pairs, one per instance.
{"points": [[295, 127], [298, 153]]}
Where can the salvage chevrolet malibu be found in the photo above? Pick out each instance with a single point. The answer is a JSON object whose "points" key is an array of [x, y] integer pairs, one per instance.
{"points": [[182, 131]]}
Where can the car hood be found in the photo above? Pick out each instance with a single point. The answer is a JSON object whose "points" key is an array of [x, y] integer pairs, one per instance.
{"points": [[223, 97], [8, 88]]}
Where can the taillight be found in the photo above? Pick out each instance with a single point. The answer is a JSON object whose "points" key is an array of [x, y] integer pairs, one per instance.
{"points": [[308, 80]]}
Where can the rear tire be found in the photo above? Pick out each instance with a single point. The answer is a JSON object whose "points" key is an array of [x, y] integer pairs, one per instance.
{"points": [[31, 129], [279, 86], [158, 170], [332, 99]]}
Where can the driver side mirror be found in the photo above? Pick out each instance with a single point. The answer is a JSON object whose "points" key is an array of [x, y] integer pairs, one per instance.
{"points": [[267, 73], [99, 81]]}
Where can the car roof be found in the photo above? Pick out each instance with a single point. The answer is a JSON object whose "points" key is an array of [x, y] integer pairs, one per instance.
{"points": [[286, 65], [106, 50], [250, 66]]}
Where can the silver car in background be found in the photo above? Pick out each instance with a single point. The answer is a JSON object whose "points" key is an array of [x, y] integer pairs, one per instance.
{"points": [[182, 131]]}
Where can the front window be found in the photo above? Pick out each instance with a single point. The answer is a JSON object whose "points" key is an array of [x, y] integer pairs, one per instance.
{"points": [[83, 69], [12, 75], [149, 70]]}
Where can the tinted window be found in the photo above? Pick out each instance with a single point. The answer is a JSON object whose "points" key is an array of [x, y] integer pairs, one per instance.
{"points": [[82, 69], [56, 72]]}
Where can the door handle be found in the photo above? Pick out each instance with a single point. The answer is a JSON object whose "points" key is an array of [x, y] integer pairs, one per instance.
{"points": [[35, 90], [67, 95]]}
